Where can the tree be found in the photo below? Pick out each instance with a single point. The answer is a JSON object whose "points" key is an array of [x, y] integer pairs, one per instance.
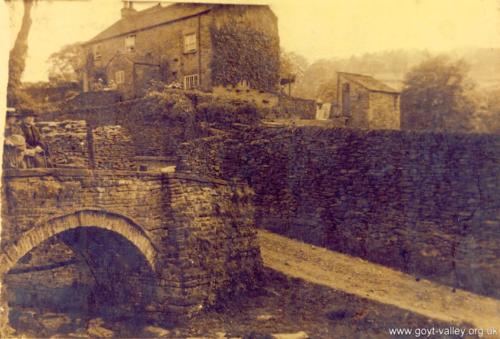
{"points": [[321, 71], [327, 91], [17, 56], [65, 63], [436, 97], [292, 66], [487, 117], [492, 120]]}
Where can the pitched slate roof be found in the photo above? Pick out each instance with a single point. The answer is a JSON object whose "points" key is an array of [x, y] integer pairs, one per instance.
{"points": [[151, 17], [368, 82]]}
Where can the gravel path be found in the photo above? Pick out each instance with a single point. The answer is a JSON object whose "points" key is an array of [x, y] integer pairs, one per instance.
{"points": [[379, 283]]}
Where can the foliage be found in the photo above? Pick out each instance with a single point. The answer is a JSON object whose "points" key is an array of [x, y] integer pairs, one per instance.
{"points": [[487, 117], [224, 112], [327, 91], [17, 56], [23, 100], [183, 106], [320, 76], [65, 63], [317, 73], [491, 120], [392, 65], [292, 65], [243, 53], [171, 104], [435, 97]]}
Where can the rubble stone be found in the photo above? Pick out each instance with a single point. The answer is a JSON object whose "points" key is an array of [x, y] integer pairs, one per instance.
{"points": [[424, 203]]}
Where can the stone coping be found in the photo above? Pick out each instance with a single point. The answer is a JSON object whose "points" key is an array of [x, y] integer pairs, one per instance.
{"points": [[85, 172]]}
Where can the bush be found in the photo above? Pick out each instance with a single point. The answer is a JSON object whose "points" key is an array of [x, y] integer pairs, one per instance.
{"points": [[221, 111], [180, 105], [171, 104]]}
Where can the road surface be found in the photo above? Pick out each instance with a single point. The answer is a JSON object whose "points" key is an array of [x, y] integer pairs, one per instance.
{"points": [[368, 280]]}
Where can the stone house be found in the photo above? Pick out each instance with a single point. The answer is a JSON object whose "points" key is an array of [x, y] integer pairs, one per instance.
{"points": [[186, 45], [364, 102]]}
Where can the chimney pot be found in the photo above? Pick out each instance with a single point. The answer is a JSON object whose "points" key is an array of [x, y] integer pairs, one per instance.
{"points": [[128, 9]]}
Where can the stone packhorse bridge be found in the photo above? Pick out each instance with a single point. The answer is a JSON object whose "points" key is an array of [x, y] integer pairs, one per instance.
{"points": [[195, 234]]}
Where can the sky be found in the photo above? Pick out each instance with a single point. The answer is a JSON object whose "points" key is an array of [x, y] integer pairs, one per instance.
{"points": [[314, 28]]}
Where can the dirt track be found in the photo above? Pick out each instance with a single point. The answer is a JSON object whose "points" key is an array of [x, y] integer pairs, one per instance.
{"points": [[379, 283]]}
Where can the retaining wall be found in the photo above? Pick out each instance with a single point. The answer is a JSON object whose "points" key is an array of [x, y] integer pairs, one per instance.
{"points": [[424, 203]]}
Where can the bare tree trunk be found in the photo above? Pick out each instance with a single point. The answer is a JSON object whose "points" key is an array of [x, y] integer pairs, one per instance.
{"points": [[18, 54]]}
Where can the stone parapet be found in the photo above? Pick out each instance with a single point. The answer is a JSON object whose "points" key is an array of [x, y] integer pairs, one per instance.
{"points": [[195, 234]]}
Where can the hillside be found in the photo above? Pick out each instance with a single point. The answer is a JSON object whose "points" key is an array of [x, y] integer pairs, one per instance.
{"points": [[391, 67]]}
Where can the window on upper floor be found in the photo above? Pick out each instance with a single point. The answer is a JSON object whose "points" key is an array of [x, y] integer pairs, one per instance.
{"points": [[120, 77], [191, 81], [130, 43], [190, 43], [96, 50]]}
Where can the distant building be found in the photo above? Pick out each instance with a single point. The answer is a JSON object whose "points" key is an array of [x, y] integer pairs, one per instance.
{"points": [[364, 102], [186, 45]]}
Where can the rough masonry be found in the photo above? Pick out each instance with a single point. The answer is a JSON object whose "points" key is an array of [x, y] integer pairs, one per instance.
{"points": [[425, 203], [194, 234]]}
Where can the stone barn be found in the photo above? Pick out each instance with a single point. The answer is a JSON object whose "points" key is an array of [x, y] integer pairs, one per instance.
{"points": [[190, 46], [365, 102]]}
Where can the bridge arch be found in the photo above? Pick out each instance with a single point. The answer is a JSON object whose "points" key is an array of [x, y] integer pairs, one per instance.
{"points": [[85, 218]]}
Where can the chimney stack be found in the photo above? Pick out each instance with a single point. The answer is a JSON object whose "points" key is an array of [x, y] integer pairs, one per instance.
{"points": [[128, 9]]}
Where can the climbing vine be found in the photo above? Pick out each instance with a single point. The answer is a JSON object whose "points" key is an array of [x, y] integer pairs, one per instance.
{"points": [[244, 53]]}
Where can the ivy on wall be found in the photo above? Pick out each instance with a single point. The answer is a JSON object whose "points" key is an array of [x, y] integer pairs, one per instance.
{"points": [[244, 53]]}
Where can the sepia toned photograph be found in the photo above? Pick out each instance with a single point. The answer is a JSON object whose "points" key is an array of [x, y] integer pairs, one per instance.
{"points": [[262, 169]]}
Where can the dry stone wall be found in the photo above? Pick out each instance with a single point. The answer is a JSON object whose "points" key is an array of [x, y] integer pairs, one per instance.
{"points": [[67, 141], [73, 144], [424, 203], [152, 129], [113, 148], [295, 108], [157, 128]]}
